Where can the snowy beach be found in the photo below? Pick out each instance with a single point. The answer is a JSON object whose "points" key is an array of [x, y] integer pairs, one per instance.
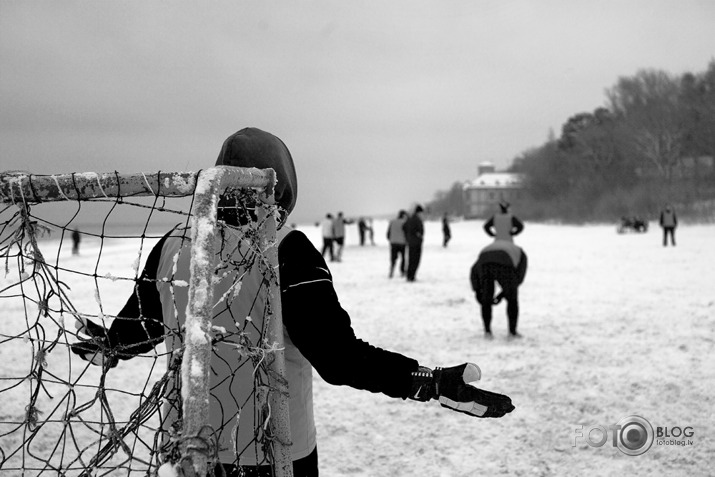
{"points": [[614, 325]]}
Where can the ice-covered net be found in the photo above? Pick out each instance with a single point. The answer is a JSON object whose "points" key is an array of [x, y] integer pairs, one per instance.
{"points": [[73, 249]]}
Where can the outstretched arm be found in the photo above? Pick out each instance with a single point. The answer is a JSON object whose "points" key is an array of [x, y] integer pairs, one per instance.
{"points": [[321, 329], [311, 312]]}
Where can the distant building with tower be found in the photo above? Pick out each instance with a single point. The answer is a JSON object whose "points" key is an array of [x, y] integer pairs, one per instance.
{"points": [[483, 194]]}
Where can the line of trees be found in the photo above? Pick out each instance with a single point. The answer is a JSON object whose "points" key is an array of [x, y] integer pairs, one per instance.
{"points": [[653, 143]]}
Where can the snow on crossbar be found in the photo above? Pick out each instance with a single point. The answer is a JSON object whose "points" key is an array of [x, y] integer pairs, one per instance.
{"points": [[19, 186]]}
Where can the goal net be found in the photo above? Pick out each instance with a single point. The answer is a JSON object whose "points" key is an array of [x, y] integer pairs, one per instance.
{"points": [[93, 379]]}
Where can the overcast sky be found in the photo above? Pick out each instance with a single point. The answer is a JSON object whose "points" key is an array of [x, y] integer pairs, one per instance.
{"points": [[381, 103]]}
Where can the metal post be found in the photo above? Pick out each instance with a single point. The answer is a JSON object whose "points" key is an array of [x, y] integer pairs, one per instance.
{"points": [[278, 398]]}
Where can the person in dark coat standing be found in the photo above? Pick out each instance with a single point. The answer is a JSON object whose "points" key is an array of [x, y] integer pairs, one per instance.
{"points": [[362, 230], [446, 231], [414, 234], [669, 221], [76, 238], [504, 263]]}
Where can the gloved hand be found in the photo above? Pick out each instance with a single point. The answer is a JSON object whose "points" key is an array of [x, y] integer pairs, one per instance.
{"points": [[451, 387], [93, 349]]}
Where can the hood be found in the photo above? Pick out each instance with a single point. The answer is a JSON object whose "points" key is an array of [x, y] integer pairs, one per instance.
{"points": [[251, 147]]}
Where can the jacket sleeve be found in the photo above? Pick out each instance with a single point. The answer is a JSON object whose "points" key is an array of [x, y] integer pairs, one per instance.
{"points": [[488, 226], [321, 330], [516, 226], [139, 326]]}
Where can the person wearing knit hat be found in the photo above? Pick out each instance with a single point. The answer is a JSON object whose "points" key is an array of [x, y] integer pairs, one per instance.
{"points": [[317, 332]]}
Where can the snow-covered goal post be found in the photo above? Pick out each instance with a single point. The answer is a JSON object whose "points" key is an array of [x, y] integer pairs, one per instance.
{"points": [[73, 248]]}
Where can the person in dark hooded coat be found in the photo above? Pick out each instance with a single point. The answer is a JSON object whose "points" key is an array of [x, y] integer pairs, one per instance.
{"points": [[317, 331], [414, 229], [505, 264]]}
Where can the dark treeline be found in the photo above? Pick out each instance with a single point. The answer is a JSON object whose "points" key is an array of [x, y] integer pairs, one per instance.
{"points": [[653, 143]]}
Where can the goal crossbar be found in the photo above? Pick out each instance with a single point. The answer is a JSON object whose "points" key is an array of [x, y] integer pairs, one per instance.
{"points": [[19, 186]]}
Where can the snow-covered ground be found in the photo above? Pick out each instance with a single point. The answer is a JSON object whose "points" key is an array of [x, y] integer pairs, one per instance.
{"points": [[613, 325]]}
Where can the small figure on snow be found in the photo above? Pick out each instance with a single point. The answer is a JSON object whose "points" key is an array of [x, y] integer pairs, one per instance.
{"points": [[446, 231], [396, 237], [363, 230], [668, 221], [326, 227], [414, 235], [76, 239], [339, 235]]}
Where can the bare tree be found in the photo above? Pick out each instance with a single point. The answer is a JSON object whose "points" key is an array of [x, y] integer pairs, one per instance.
{"points": [[649, 107]]}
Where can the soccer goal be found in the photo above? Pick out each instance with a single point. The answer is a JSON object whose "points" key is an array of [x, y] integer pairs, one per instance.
{"points": [[74, 250]]}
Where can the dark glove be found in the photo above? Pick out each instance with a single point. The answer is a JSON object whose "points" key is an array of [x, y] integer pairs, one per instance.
{"points": [[451, 387], [96, 348]]}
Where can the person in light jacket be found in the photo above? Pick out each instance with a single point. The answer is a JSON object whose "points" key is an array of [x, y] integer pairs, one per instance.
{"points": [[396, 238], [503, 225]]}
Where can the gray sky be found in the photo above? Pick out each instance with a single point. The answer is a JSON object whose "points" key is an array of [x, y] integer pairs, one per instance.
{"points": [[381, 103]]}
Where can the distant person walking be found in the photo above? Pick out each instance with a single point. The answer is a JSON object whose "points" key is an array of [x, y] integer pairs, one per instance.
{"points": [[504, 263], [326, 228], [414, 234], [503, 225], [371, 232], [339, 235], [669, 221], [362, 230], [76, 239], [446, 231], [396, 237]]}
